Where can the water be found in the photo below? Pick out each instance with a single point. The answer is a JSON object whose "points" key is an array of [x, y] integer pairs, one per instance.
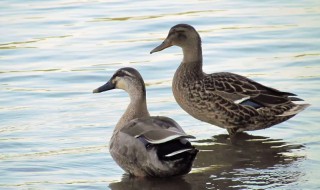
{"points": [[54, 132]]}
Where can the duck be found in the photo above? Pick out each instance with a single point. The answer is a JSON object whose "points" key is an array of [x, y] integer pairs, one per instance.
{"points": [[224, 99], [144, 145]]}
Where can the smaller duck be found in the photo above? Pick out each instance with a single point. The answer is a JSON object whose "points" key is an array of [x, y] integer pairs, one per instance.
{"points": [[145, 145], [224, 99]]}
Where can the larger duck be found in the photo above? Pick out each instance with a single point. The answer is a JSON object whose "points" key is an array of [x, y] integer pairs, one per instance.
{"points": [[145, 145], [224, 99]]}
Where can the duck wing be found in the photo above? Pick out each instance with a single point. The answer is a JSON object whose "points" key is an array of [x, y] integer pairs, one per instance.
{"points": [[245, 91], [155, 130]]}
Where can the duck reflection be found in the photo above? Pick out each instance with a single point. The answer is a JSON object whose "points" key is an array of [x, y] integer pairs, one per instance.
{"points": [[245, 162], [136, 183]]}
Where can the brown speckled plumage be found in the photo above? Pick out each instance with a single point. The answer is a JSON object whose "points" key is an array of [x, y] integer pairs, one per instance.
{"points": [[224, 99]]}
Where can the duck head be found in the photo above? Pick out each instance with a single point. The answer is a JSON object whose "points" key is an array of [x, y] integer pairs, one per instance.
{"points": [[182, 35], [127, 79]]}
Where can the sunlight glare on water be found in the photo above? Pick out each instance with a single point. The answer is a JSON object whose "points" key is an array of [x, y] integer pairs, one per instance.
{"points": [[54, 133]]}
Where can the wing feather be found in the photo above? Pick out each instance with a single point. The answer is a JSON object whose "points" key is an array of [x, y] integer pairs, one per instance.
{"points": [[236, 87], [155, 130]]}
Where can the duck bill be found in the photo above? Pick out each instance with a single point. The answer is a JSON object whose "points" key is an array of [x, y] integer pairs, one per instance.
{"points": [[165, 44], [108, 86]]}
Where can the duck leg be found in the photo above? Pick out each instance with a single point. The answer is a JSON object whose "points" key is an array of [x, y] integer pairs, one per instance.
{"points": [[232, 131]]}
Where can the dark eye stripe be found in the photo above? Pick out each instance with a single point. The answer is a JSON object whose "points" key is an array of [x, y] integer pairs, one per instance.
{"points": [[120, 74], [182, 36], [123, 73], [176, 31]]}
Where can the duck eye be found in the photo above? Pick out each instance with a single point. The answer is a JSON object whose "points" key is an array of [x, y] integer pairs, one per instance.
{"points": [[181, 36]]}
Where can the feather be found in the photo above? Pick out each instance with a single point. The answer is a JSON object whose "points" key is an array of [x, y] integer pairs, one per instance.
{"points": [[251, 103], [162, 136], [178, 152]]}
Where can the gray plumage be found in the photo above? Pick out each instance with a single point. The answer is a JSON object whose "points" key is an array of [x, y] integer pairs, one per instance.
{"points": [[224, 99], [145, 145]]}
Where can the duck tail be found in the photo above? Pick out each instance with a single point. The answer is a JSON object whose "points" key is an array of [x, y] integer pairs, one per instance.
{"points": [[294, 110]]}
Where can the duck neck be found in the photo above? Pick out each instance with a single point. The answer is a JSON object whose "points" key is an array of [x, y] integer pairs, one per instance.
{"points": [[192, 52], [136, 109], [191, 66]]}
